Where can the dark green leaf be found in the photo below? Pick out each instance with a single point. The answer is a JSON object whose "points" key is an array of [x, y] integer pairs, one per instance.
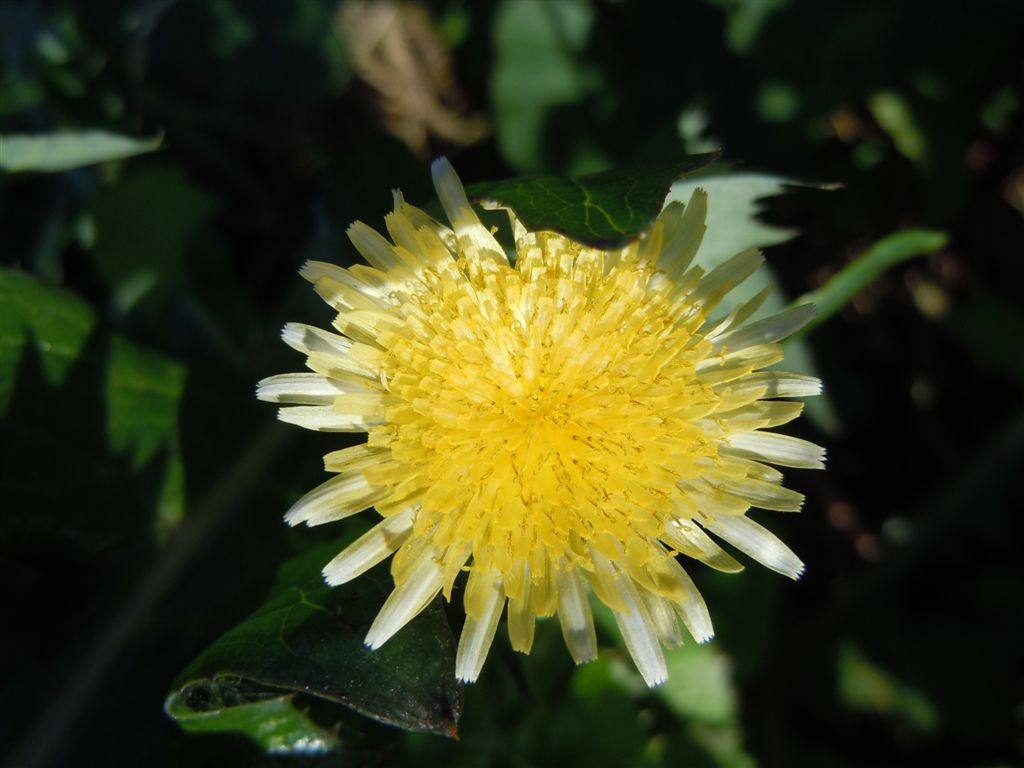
{"points": [[308, 638], [882, 256], [606, 209], [62, 151]]}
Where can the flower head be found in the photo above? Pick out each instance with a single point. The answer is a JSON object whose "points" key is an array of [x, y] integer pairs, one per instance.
{"points": [[567, 422]]}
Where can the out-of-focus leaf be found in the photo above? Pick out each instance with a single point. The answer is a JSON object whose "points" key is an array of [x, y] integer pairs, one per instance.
{"points": [[997, 111], [596, 720], [983, 326], [882, 256], [606, 209], [144, 225], [587, 715], [733, 207], [56, 322], [723, 744], [733, 226], [745, 21], [893, 113], [275, 724], [866, 687], [142, 389], [699, 692], [144, 392], [538, 67], [64, 150], [699, 684], [89, 437], [308, 638]]}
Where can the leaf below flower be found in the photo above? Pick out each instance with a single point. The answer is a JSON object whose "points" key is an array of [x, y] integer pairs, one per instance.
{"points": [[307, 638]]}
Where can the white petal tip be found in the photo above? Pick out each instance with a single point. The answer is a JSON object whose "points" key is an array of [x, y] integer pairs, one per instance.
{"points": [[698, 624], [446, 182], [452, 195], [289, 415], [440, 168], [311, 270], [333, 579], [583, 655], [467, 670], [655, 681]]}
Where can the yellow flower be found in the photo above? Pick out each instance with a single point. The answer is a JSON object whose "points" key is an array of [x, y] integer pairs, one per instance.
{"points": [[565, 423]]}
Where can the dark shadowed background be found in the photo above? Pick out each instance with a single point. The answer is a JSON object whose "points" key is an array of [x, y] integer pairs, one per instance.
{"points": [[143, 486]]}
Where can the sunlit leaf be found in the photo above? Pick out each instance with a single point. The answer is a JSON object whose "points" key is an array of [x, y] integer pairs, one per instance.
{"points": [[275, 724], [64, 150], [733, 207], [733, 226]]}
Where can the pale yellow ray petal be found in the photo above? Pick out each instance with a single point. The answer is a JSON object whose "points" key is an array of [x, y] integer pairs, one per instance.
{"points": [[481, 624], [784, 450], [756, 541], [575, 616], [369, 549], [408, 599]]}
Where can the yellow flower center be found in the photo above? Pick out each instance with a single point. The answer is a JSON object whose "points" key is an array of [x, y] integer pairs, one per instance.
{"points": [[538, 409]]}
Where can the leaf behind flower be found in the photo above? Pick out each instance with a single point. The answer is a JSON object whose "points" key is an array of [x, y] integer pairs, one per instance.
{"points": [[604, 210]]}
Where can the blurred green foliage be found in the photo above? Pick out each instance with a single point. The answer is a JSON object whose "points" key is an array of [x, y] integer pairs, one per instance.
{"points": [[65, 150], [142, 297]]}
